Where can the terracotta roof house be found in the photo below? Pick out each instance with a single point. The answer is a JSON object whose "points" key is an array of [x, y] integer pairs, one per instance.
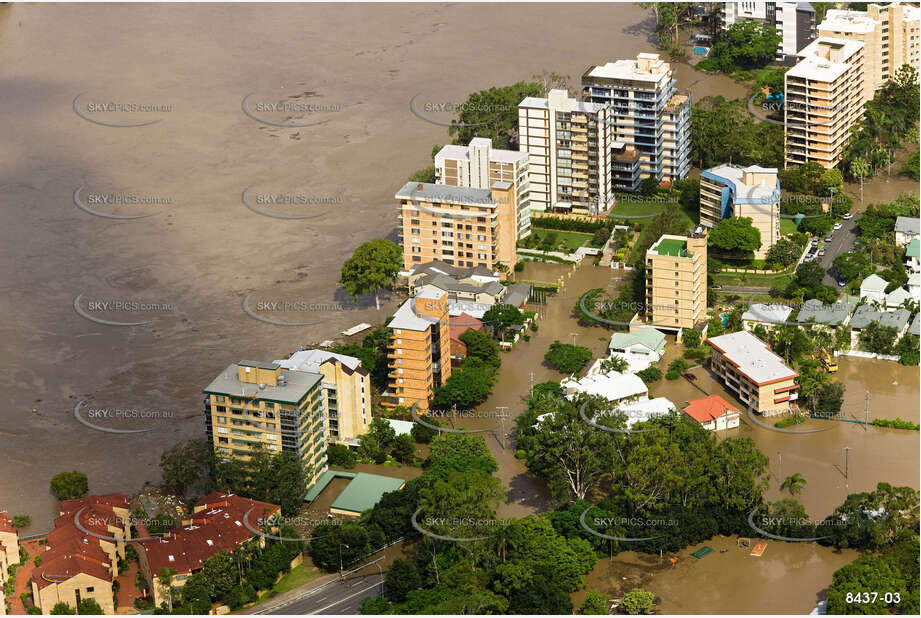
{"points": [[713, 412]]}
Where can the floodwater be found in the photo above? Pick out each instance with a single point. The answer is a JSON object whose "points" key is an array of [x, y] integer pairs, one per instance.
{"points": [[203, 250], [789, 578]]}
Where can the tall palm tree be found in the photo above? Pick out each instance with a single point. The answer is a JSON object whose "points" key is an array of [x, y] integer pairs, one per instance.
{"points": [[795, 483]]}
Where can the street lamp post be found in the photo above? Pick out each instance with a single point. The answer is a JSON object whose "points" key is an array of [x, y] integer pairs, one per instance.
{"points": [[340, 557], [381, 571]]}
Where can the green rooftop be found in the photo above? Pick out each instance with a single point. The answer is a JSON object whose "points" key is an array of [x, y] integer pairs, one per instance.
{"points": [[365, 491], [914, 249], [672, 247]]}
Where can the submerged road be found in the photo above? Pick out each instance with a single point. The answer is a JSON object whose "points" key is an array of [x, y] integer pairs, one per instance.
{"points": [[337, 597]]}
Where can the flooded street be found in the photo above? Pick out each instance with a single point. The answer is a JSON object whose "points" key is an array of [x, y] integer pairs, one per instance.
{"points": [[789, 578]]}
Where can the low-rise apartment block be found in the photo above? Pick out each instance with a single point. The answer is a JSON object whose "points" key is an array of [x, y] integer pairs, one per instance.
{"points": [[749, 369], [470, 290], [255, 405], [820, 105], [647, 115], [676, 281], [218, 522], [419, 357], [890, 34], [569, 147], [794, 21], [479, 165], [736, 191], [462, 226], [346, 392]]}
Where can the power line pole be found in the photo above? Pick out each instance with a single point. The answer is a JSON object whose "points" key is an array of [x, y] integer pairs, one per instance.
{"points": [[846, 449], [531, 374], [573, 335], [502, 414], [866, 412], [780, 457]]}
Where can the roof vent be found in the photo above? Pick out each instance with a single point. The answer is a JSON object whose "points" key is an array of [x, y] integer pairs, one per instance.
{"points": [[419, 187]]}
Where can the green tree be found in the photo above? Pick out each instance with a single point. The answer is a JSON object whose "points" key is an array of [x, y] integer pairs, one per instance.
{"points": [[188, 468], [852, 265], [878, 339], [783, 253], [21, 521], [866, 574], [372, 267], [734, 239], [62, 608], [493, 114], [638, 601], [567, 358], [426, 174], [745, 45], [500, 316], [404, 448], [221, 573], [466, 386], [89, 607], [596, 603], [374, 605], [794, 483], [341, 455], [481, 346], [453, 452], [690, 338], [423, 434], [650, 374], [809, 275], [402, 578], [69, 485], [615, 363]]}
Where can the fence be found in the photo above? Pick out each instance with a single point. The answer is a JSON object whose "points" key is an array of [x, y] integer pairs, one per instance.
{"points": [[862, 354]]}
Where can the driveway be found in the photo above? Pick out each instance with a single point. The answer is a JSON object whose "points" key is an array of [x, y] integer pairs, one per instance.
{"points": [[842, 242]]}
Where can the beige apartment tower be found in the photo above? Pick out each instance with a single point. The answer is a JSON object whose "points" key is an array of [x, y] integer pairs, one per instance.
{"points": [[822, 101], [479, 165], [676, 281], [462, 226], [419, 358], [890, 34], [569, 147], [735, 191], [254, 405]]}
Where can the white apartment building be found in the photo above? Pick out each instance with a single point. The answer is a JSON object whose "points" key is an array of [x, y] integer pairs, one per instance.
{"points": [[569, 148], [891, 35], [794, 20], [820, 105], [479, 165], [648, 115]]}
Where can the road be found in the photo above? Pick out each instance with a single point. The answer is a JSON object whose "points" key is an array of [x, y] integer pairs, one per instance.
{"points": [[842, 241], [335, 598]]}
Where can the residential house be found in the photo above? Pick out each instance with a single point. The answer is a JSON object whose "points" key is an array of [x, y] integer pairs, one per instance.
{"points": [[914, 286], [865, 315], [464, 323], [471, 290], [824, 316], [713, 413], [897, 297], [768, 316], [873, 288], [640, 348], [613, 386], [913, 256], [758, 377], [907, 229]]}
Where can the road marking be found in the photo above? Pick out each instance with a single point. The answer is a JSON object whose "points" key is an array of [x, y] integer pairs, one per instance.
{"points": [[345, 599]]}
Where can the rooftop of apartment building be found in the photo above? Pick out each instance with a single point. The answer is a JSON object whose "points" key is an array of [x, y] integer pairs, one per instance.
{"points": [[646, 67], [756, 193], [561, 101], [295, 387], [848, 21], [311, 360], [825, 59], [446, 194], [406, 317], [674, 246], [752, 356], [453, 151], [219, 525]]}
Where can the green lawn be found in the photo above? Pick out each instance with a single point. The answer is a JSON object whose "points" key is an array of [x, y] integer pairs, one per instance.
{"points": [[573, 240], [787, 226], [756, 280], [295, 578], [643, 211]]}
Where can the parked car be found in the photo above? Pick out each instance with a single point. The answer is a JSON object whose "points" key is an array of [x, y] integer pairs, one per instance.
{"points": [[841, 283], [828, 238], [690, 376], [838, 226], [821, 252], [847, 215]]}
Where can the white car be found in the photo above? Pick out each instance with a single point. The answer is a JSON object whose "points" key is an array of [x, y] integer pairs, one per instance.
{"points": [[847, 215], [837, 226]]}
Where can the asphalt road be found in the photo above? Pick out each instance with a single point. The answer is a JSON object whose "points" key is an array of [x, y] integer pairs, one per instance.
{"points": [[336, 598], [842, 242]]}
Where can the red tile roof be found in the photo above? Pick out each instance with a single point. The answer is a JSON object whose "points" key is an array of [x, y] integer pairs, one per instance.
{"points": [[6, 523], [217, 525], [103, 501], [61, 566], [706, 409], [465, 322]]}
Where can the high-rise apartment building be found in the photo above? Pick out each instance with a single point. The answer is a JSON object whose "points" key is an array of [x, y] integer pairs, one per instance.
{"points": [[795, 21], [253, 405], [346, 392], [822, 101], [736, 191], [890, 34], [419, 357], [647, 113], [479, 165], [676, 281], [462, 226], [569, 147]]}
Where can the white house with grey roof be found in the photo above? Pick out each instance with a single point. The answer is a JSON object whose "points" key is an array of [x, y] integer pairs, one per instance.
{"points": [[873, 288], [815, 312], [768, 316], [640, 348], [897, 297], [907, 229], [865, 315]]}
